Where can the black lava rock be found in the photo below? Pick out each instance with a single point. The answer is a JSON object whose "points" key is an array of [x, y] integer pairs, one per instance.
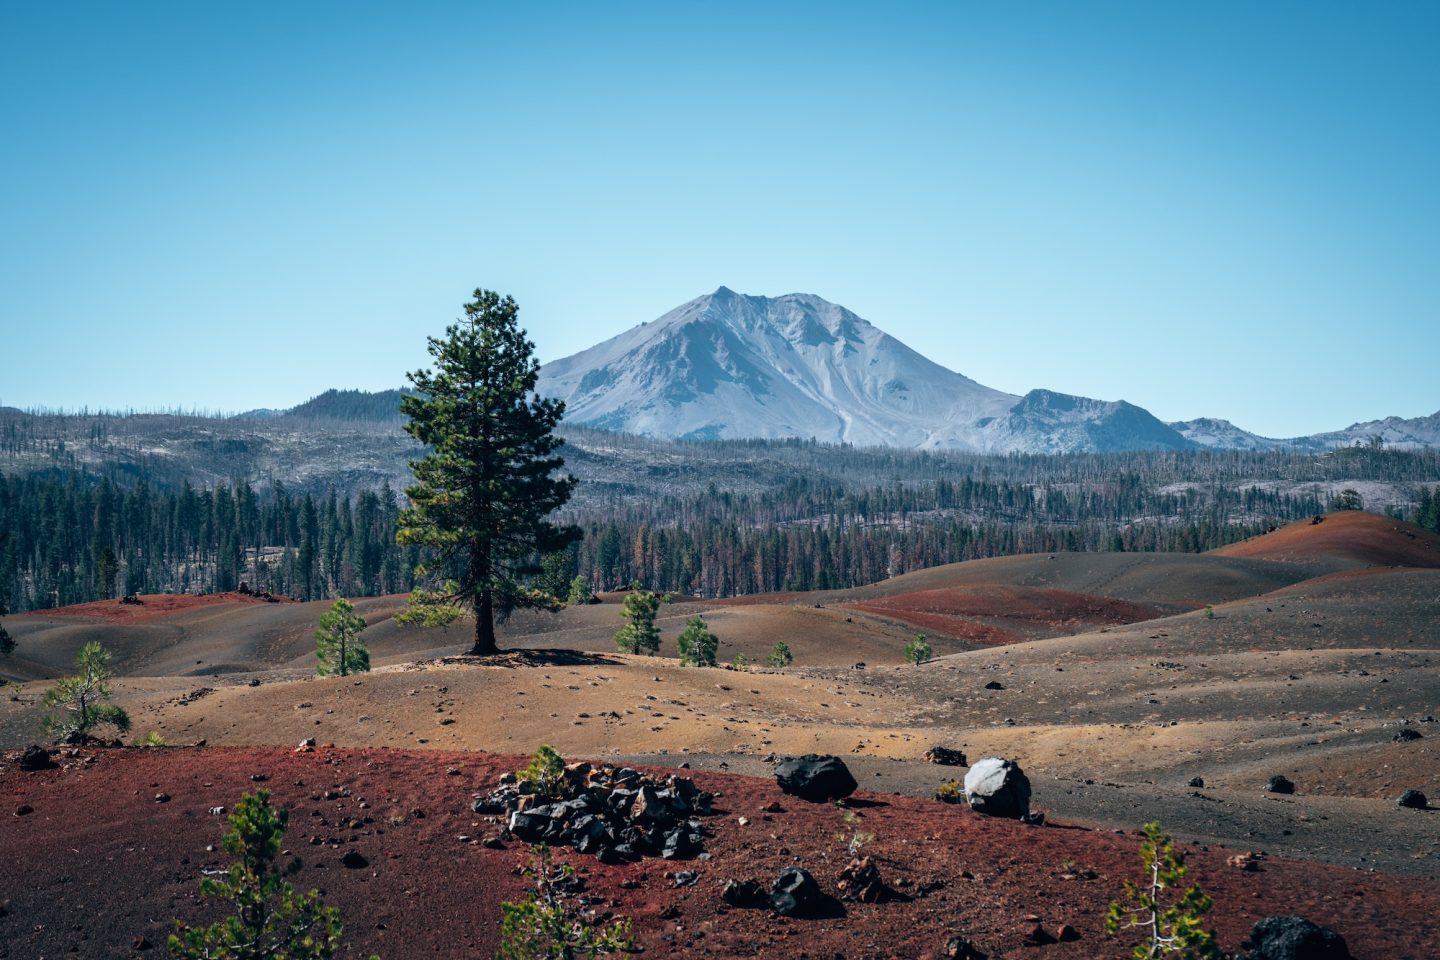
{"points": [[794, 893], [1295, 938], [744, 893], [1407, 734], [35, 757], [815, 778], [1279, 784], [1413, 799]]}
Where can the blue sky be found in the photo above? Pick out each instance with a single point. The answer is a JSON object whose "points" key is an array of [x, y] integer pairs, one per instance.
{"points": [[1210, 209]]}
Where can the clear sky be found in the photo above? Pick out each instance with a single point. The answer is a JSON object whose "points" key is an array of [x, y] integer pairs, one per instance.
{"points": [[1217, 209]]}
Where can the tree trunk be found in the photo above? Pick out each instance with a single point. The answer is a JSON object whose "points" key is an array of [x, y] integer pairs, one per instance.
{"points": [[484, 628]]}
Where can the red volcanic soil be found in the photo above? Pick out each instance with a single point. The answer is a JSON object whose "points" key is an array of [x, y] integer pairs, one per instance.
{"points": [[1363, 539], [152, 606], [948, 610], [99, 862]]}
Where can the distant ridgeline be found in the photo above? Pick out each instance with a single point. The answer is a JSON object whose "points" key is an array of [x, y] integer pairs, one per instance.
{"points": [[715, 519]]}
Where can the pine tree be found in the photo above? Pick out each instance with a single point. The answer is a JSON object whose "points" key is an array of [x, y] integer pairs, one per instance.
{"points": [[271, 921], [7, 645], [640, 633], [338, 645], [480, 499], [780, 655], [697, 644], [83, 700], [579, 591]]}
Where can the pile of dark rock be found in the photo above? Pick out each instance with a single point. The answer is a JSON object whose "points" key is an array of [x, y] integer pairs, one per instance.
{"points": [[946, 757], [613, 813]]}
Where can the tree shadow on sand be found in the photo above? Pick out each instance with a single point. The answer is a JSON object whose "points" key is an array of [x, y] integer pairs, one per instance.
{"points": [[533, 658]]}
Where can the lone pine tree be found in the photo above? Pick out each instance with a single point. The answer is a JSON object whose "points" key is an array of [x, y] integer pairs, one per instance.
{"points": [[482, 495], [640, 633], [339, 647], [82, 702]]}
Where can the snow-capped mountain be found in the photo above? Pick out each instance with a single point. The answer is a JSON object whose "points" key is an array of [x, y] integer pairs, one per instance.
{"points": [[1224, 435], [727, 365]]}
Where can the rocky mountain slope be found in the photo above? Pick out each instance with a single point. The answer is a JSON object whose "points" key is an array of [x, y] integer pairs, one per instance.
{"points": [[727, 365]]}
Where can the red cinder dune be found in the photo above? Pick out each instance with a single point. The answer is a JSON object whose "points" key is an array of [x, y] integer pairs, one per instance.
{"points": [[1353, 537]]}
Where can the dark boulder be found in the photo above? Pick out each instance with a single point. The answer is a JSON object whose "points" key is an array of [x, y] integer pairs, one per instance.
{"points": [[744, 893], [1407, 734], [1279, 784], [354, 860], [946, 757], [794, 893], [815, 778], [1196, 782], [35, 757], [1413, 799], [1295, 938], [998, 787], [531, 826]]}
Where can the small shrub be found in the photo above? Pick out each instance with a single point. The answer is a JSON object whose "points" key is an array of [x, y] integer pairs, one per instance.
{"points": [[1209, 612], [780, 655], [545, 771], [152, 739], [918, 651], [851, 836], [950, 791], [270, 920], [1172, 930], [82, 700], [741, 662], [545, 924], [697, 644]]}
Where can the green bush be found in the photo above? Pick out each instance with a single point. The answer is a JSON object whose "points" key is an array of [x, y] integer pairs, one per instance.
{"points": [[1173, 930], [950, 791], [780, 655], [917, 651], [545, 925], [545, 772], [697, 644]]}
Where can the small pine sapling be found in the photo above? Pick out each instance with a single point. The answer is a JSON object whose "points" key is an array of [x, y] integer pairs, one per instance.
{"points": [[1209, 612], [780, 655], [545, 924], [640, 633], [545, 772], [918, 651], [579, 591], [83, 700], [851, 836], [741, 662], [697, 644], [1173, 930], [338, 646], [271, 921]]}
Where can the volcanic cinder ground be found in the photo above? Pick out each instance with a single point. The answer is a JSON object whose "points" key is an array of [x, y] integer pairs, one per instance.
{"points": [[1113, 679]]}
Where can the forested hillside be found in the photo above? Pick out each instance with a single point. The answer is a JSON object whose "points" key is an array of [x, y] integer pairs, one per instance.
{"points": [[770, 516]]}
